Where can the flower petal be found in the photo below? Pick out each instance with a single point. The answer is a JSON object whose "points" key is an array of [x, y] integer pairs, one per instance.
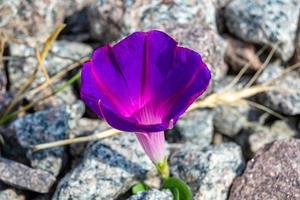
{"points": [[128, 124], [89, 92], [145, 58], [187, 80], [111, 82]]}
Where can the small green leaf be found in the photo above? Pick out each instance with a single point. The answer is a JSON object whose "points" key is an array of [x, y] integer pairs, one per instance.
{"points": [[179, 189], [139, 187], [175, 193]]}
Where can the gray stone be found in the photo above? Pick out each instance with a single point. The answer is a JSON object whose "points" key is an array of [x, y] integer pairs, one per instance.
{"points": [[273, 173], [85, 126], [105, 19], [221, 3], [3, 79], [157, 14], [110, 167], [153, 194], [47, 126], [10, 194], [286, 99], [74, 6], [230, 119], [263, 135], [208, 171], [109, 19], [63, 53], [265, 22], [31, 20], [5, 99], [21, 176], [196, 127]]}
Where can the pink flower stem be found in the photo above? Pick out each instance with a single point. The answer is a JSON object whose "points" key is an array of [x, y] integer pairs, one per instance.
{"points": [[154, 145]]}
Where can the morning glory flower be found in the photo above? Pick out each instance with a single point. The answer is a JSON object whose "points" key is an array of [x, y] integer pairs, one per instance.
{"points": [[143, 84]]}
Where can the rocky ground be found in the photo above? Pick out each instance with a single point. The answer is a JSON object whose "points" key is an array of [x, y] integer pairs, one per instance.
{"points": [[243, 150]]}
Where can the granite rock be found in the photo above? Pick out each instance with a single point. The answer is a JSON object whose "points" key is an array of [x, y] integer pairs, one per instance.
{"points": [[62, 54], [47, 126], [109, 168], [110, 19], [153, 194], [159, 14], [3, 79], [286, 100], [273, 173], [208, 171], [230, 119], [85, 126], [21, 176], [264, 22], [30, 20], [196, 127], [5, 99], [263, 135], [10, 194]]}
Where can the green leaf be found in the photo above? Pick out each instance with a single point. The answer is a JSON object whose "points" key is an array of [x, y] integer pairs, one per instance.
{"points": [[139, 187], [175, 193], [179, 189]]}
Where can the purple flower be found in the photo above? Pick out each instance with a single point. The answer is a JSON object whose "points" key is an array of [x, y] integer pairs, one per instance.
{"points": [[143, 84]]}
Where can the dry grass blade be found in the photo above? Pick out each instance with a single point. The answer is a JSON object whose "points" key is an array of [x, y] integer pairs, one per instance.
{"points": [[57, 76], [97, 136], [42, 67], [266, 109], [43, 54], [13, 115], [267, 61], [284, 73], [243, 70]]}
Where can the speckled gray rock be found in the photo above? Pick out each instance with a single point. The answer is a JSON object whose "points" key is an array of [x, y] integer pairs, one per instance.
{"points": [[109, 19], [73, 6], [85, 126], [196, 127], [263, 135], [31, 20], [273, 173], [63, 53], [265, 22], [158, 14], [5, 99], [10, 194], [110, 167], [153, 194], [21, 176], [230, 119], [3, 79], [287, 99], [208, 171], [47, 126]]}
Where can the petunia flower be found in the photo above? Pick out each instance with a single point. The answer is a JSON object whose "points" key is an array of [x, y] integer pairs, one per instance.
{"points": [[143, 84]]}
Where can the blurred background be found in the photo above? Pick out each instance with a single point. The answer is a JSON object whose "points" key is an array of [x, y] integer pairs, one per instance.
{"points": [[240, 141]]}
